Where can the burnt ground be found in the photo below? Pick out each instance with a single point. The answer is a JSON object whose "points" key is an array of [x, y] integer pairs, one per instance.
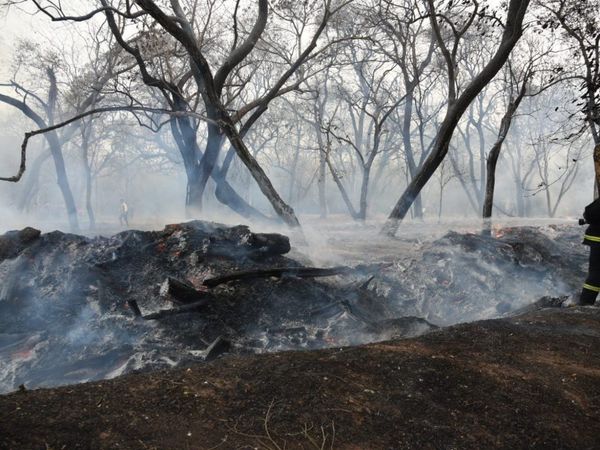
{"points": [[525, 381], [531, 381]]}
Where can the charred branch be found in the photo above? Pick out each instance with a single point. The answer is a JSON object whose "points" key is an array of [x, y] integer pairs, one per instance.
{"points": [[179, 310], [297, 272], [131, 109]]}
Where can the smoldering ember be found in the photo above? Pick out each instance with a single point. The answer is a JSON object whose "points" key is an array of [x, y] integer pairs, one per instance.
{"points": [[253, 224]]}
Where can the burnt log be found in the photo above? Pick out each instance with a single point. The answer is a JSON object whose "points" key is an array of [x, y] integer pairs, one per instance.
{"points": [[298, 272], [287, 331], [180, 292]]}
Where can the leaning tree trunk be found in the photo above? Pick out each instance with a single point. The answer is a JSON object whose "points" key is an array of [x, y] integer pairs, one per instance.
{"points": [[282, 209], [56, 150], [512, 33]]}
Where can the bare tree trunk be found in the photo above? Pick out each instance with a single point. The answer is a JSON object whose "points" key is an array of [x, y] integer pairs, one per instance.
{"points": [[184, 134], [56, 149], [87, 170], [492, 160], [364, 189], [473, 183], [548, 201], [482, 160], [463, 184]]}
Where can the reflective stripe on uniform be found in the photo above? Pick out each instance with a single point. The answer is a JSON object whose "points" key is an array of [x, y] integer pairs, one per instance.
{"points": [[591, 238], [589, 287]]}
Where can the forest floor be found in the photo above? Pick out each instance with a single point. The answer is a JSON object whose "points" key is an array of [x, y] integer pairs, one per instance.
{"points": [[531, 381]]}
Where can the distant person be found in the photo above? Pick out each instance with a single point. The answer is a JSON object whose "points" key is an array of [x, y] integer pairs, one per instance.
{"points": [[123, 217], [591, 237]]}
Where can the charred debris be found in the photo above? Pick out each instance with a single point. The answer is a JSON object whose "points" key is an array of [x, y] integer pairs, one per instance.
{"points": [[75, 309]]}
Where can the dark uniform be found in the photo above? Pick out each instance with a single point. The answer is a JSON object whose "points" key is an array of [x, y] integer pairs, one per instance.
{"points": [[592, 238]]}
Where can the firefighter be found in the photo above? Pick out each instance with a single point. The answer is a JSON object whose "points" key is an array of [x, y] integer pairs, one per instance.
{"points": [[591, 238]]}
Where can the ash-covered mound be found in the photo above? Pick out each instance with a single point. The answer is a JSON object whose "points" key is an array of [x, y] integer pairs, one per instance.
{"points": [[467, 277], [75, 309]]}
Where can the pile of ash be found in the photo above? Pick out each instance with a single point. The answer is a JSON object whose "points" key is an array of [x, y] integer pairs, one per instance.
{"points": [[75, 309], [466, 277]]}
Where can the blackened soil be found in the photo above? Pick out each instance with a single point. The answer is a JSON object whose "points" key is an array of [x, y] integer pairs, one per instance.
{"points": [[531, 381]]}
